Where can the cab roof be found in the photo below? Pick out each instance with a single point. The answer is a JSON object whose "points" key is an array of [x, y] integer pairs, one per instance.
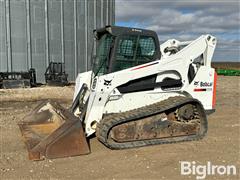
{"points": [[118, 30]]}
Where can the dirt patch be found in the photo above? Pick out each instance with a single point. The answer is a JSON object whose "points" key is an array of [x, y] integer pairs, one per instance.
{"points": [[220, 146]]}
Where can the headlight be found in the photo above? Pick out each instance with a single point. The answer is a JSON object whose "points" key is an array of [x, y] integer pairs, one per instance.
{"points": [[94, 83]]}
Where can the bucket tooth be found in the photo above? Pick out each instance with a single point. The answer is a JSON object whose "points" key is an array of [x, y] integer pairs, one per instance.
{"points": [[50, 131]]}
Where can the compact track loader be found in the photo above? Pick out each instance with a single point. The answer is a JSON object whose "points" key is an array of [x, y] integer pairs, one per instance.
{"points": [[137, 94]]}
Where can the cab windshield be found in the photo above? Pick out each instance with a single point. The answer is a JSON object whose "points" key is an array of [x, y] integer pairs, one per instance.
{"points": [[130, 51], [101, 60]]}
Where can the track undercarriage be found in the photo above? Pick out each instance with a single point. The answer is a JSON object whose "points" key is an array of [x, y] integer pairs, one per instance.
{"points": [[173, 120]]}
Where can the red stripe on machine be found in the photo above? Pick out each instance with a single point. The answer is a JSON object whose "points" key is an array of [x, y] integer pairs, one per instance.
{"points": [[144, 66], [199, 89]]}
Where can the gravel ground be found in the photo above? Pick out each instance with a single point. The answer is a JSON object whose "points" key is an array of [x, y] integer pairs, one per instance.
{"points": [[221, 146]]}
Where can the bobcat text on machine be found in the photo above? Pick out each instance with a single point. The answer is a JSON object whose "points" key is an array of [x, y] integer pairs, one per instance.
{"points": [[137, 94]]}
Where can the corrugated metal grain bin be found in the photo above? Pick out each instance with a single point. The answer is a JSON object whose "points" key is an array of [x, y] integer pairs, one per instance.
{"points": [[35, 32]]}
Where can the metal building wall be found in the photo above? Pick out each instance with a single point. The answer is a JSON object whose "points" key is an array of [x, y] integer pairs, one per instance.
{"points": [[34, 32]]}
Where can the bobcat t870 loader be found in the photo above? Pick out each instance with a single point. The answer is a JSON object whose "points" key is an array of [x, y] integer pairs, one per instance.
{"points": [[138, 93]]}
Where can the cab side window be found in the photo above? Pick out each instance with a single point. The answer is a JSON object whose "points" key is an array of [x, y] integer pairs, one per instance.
{"points": [[125, 53], [133, 50], [146, 50]]}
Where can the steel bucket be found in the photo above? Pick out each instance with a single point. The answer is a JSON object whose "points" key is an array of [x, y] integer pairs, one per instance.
{"points": [[50, 131]]}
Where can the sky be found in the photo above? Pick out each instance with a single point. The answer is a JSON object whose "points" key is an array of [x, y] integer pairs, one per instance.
{"points": [[186, 20]]}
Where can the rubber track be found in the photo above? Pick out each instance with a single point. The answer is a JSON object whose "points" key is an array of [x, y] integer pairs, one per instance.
{"points": [[114, 119]]}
